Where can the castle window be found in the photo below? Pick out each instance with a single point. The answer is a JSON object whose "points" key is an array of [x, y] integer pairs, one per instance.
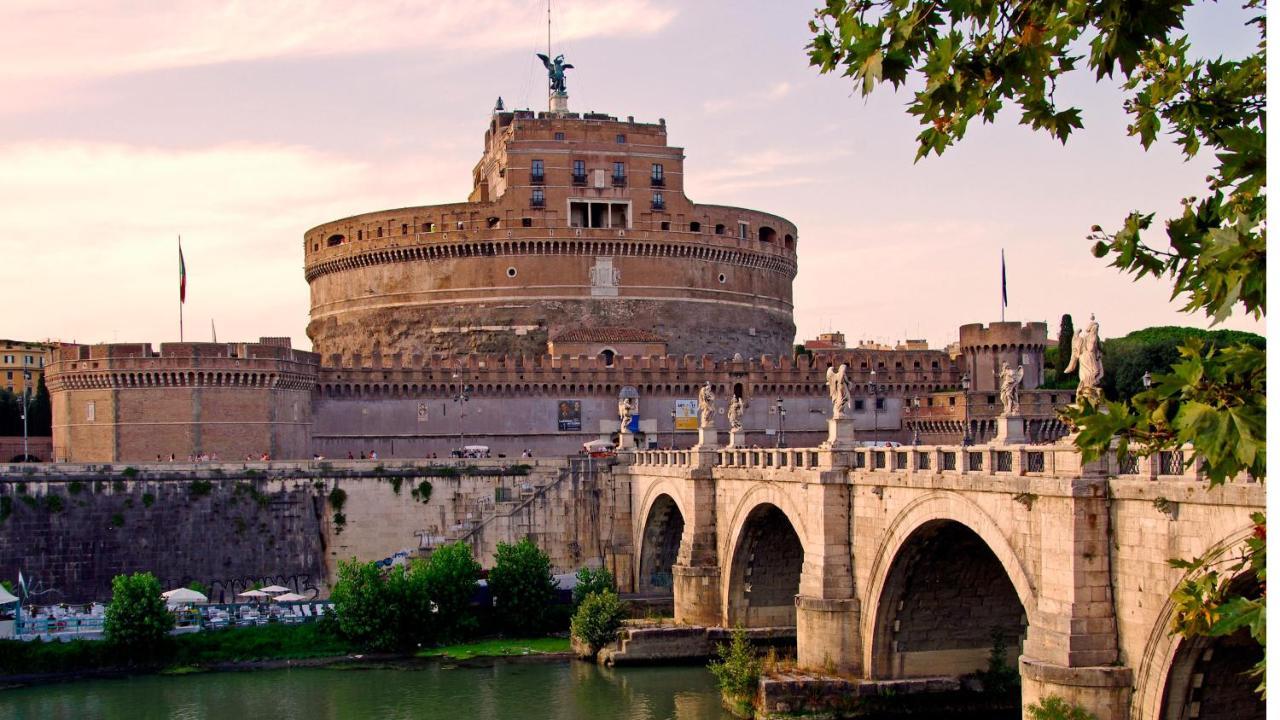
{"points": [[461, 225], [536, 173], [859, 405], [404, 228], [665, 225], [721, 278], [579, 172], [619, 174], [607, 355], [934, 364], [315, 246], [511, 272], [952, 399], [743, 228], [334, 240], [695, 227], [879, 403], [359, 235], [90, 411], [559, 137], [620, 139], [526, 222], [788, 241], [429, 227], [493, 222], [991, 399], [768, 235], [719, 229], [538, 199], [656, 178], [658, 202], [379, 231]]}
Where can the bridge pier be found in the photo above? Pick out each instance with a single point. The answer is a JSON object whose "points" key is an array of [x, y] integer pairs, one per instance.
{"points": [[1102, 690], [827, 609], [827, 636], [696, 594], [695, 577]]}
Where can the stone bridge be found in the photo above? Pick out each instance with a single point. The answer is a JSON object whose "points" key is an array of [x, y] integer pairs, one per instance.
{"points": [[909, 561]]}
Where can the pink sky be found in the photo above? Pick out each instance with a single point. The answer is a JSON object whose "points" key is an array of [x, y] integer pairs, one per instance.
{"points": [[240, 125]]}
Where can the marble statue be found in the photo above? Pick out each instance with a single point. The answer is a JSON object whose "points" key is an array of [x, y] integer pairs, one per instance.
{"points": [[1086, 356], [838, 389], [555, 73], [706, 406], [734, 413], [1010, 379], [626, 408]]}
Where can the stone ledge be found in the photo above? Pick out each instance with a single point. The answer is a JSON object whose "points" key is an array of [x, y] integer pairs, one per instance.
{"points": [[841, 605], [1091, 676]]}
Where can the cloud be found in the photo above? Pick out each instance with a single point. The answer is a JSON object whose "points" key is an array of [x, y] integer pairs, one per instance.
{"points": [[63, 40], [95, 227], [777, 91], [770, 168]]}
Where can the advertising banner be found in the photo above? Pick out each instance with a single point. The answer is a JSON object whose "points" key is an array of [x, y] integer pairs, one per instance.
{"points": [[569, 415], [686, 414]]}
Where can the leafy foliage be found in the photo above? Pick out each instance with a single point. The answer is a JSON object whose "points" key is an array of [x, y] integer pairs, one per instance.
{"points": [[593, 580], [381, 610], [522, 586], [1052, 707], [1066, 330], [598, 619], [137, 622], [737, 670], [450, 575]]}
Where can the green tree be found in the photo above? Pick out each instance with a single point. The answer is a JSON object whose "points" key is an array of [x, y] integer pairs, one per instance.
{"points": [[366, 605], [522, 587], [598, 619], [593, 580], [973, 58], [1066, 330], [137, 622], [40, 424], [1052, 707], [450, 576]]}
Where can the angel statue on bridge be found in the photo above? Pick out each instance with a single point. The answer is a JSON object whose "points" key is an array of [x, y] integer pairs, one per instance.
{"points": [[555, 73], [626, 409], [734, 413], [1086, 355], [838, 389], [1010, 379], [706, 406]]}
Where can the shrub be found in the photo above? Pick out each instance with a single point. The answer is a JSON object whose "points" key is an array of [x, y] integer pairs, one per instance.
{"points": [[148, 499], [130, 472], [522, 587], [337, 499], [382, 611], [1000, 677], [1052, 707], [598, 619], [737, 671], [422, 493], [200, 488], [117, 520], [75, 487], [137, 622], [6, 508], [53, 502], [450, 576], [593, 580]]}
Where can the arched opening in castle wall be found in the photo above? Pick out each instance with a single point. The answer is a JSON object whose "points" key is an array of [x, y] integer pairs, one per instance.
{"points": [[660, 544], [946, 603], [765, 571], [1208, 678]]}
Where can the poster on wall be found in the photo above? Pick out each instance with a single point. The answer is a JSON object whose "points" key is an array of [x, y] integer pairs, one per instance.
{"points": [[569, 415], [686, 414]]}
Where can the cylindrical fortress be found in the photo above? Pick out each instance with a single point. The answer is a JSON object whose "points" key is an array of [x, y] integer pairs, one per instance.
{"points": [[573, 222]]}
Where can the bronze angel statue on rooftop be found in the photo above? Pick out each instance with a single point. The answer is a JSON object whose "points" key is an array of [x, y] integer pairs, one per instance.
{"points": [[555, 73]]}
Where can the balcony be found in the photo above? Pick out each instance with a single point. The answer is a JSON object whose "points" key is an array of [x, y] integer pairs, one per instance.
{"points": [[580, 179], [619, 180], [657, 182], [537, 202], [537, 179], [658, 205]]}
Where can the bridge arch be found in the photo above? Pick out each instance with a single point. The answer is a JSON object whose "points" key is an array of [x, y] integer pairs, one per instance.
{"points": [[765, 564], [662, 489], [660, 541], [929, 543], [1169, 661]]}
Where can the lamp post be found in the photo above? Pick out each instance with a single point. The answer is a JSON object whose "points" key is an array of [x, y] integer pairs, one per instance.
{"points": [[915, 425], [964, 383], [673, 429], [26, 410], [462, 397], [782, 416], [875, 409]]}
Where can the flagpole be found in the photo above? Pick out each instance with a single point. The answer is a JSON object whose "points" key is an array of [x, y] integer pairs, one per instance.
{"points": [[1004, 290]]}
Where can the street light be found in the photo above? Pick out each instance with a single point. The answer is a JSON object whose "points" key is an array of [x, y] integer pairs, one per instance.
{"points": [[915, 425], [964, 383], [875, 409], [462, 397], [782, 416], [673, 428], [26, 410]]}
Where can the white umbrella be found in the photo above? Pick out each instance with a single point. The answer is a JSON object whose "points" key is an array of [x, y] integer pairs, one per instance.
{"points": [[5, 597], [182, 596], [253, 594], [275, 589], [289, 597]]}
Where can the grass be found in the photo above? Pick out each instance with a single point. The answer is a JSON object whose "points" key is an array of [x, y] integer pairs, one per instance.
{"points": [[266, 642], [500, 647]]}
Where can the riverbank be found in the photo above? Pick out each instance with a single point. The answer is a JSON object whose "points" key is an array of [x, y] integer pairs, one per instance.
{"points": [[243, 649]]}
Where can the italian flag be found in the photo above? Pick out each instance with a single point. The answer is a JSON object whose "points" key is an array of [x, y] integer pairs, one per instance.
{"points": [[182, 275]]}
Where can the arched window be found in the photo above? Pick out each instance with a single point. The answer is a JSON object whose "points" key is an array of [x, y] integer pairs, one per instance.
{"points": [[607, 355], [335, 240], [767, 234]]}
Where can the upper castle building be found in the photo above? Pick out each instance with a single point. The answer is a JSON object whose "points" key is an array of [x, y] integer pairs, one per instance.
{"points": [[577, 226]]}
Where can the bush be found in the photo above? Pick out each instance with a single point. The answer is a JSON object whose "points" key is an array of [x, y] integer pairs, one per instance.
{"points": [[593, 580], [737, 671], [199, 488], [1052, 707], [451, 575], [382, 611], [137, 622], [522, 586], [598, 619]]}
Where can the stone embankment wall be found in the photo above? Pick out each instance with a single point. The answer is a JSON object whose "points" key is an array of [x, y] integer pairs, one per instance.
{"points": [[70, 528]]}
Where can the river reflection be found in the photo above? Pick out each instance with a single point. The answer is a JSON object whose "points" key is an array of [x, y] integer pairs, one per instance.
{"points": [[504, 690]]}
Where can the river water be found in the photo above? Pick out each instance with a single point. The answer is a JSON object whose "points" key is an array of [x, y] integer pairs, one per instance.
{"points": [[572, 691]]}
